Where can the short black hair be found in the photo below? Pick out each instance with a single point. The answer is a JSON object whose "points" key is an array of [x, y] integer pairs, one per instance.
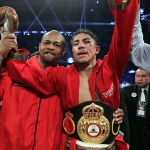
{"points": [[85, 31]]}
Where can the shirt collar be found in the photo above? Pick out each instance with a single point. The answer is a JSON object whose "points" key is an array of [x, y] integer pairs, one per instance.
{"points": [[146, 88]]}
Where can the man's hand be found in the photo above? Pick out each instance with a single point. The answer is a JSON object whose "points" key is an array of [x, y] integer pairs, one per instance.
{"points": [[8, 25], [118, 116], [7, 44]]}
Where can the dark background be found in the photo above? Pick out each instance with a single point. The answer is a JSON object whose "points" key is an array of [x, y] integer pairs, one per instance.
{"points": [[66, 16]]}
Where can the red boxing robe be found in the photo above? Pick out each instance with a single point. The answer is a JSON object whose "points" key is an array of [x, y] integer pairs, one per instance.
{"points": [[27, 116]]}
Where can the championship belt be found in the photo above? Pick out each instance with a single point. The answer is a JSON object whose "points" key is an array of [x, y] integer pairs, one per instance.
{"points": [[119, 6], [91, 122]]}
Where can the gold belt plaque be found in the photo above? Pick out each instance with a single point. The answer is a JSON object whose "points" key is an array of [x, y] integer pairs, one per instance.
{"points": [[93, 127]]}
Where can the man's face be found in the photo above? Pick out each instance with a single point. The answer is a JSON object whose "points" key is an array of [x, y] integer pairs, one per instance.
{"points": [[142, 78], [84, 48], [51, 48]]}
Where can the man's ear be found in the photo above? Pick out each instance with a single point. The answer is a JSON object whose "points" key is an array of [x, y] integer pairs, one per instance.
{"points": [[39, 46], [97, 49]]}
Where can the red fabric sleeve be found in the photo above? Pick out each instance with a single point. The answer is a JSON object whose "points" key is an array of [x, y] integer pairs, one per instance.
{"points": [[115, 62], [121, 39], [22, 72], [120, 143]]}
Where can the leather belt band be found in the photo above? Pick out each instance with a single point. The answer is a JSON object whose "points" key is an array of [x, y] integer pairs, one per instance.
{"points": [[112, 146]]}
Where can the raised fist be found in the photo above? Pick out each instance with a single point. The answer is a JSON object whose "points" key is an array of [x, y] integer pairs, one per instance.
{"points": [[8, 21]]}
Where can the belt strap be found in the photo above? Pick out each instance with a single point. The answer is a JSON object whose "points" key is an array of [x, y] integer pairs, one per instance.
{"points": [[112, 146], [67, 143]]}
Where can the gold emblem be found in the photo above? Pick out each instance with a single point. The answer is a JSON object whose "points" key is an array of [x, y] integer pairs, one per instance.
{"points": [[93, 127]]}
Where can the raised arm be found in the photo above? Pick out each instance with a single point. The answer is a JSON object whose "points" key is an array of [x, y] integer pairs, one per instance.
{"points": [[8, 45], [115, 62], [140, 51], [121, 40], [22, 72]]}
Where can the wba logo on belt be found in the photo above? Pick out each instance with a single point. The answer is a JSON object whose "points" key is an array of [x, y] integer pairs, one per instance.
{"points": [[91, 122]]}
